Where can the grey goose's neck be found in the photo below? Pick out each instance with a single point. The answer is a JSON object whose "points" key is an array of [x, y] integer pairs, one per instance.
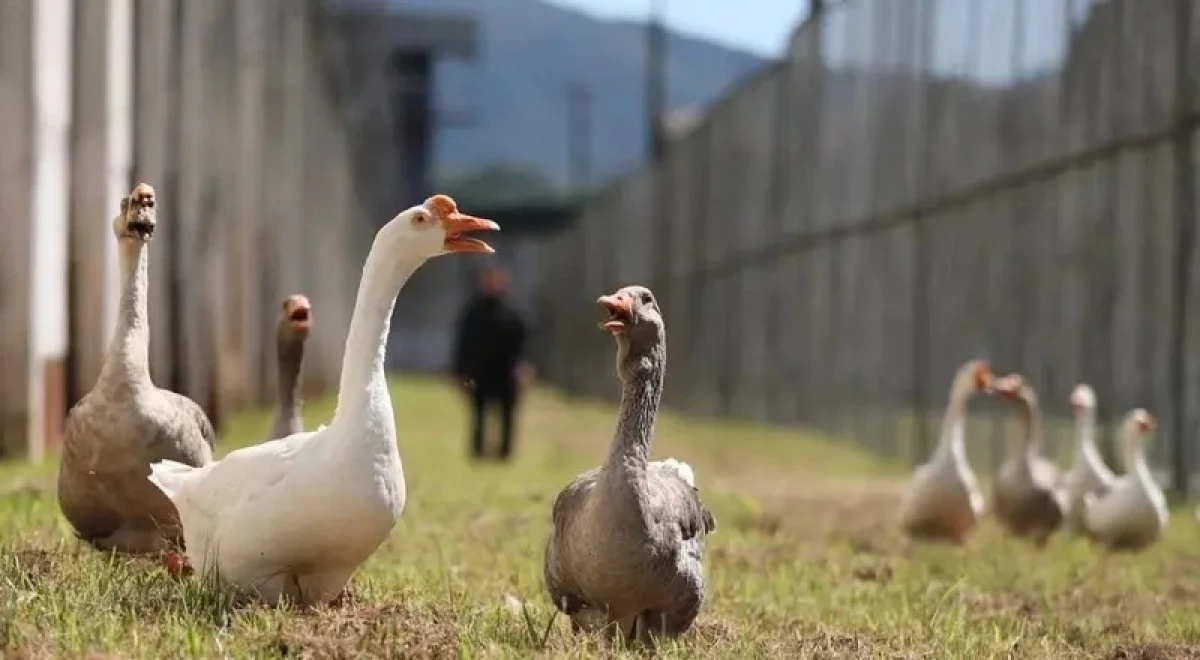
{"points": [[1029, 440], [128, 359], [642, 386], [288, 419]]}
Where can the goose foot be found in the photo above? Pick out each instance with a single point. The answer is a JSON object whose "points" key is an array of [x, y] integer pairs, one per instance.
{"points": [[177, 565]]}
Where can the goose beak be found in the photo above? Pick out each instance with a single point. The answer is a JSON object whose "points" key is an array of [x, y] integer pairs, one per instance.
{"points": [[620, 313], [1009, 386], [1077, 403], [457, 224], [984, 380], [1145, 422], [298, 311]]}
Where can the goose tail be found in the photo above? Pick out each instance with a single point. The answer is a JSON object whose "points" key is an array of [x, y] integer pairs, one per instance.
{"points": [[682, 469], [169, 476]]}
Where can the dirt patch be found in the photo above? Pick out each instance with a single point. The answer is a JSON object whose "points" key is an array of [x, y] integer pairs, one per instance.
{"points": [[28, 566], [827, 645], [861, 516], [1154, 651], [715, 631], [366, 631]]}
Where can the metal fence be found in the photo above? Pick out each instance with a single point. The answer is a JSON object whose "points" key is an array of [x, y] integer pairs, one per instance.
{"points": [[229, 109], [916, 183]]}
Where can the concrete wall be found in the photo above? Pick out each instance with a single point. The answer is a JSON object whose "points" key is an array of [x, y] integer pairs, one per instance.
{"points": [[849, 225]]}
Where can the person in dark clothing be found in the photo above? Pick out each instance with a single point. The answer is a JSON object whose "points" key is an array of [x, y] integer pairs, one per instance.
{"points": [[488, 357]]}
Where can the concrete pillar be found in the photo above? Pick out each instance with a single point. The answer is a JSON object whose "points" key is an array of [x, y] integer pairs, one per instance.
{"points": [[53, 41], [16, 177]]}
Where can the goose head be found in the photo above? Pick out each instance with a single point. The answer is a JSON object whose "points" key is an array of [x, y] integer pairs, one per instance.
{"points": [[1015, 388], [1083, 400], [635, 321], [1137, 429], [296, 320], [137, 219], [437, 227], [974, 377]]}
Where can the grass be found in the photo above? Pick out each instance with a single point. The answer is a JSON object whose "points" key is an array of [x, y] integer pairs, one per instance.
{"points": [[804, 564]]}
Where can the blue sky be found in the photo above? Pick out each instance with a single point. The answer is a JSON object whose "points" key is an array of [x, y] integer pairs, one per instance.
{"points": [[990, 41], [759, 26]]}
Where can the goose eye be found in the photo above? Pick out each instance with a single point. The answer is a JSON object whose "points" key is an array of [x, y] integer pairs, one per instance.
{"points": [[420, 220], [646, 299]]}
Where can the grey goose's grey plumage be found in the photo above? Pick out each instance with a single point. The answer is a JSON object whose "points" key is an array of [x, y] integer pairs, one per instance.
{"points": [[124, 423], [294, 325], [627, 540]]}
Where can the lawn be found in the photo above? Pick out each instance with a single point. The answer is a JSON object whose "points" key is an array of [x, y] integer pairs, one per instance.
{"points": [[804, 563]]}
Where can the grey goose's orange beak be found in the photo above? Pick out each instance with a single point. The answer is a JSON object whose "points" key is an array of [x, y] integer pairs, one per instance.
{"points": [[620, 312], [297, 312]]}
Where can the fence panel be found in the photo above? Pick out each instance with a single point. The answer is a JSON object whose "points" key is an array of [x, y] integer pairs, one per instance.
{"points": [[999, 178]]}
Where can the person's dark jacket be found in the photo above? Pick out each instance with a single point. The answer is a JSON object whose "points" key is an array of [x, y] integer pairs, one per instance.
{"points": [[490, 342]]}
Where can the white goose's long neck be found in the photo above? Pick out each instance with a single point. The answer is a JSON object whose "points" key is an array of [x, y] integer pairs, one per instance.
{"points": [[363, 385], [1085, 433], [127, 361], [1135, 458], [951, 445]]}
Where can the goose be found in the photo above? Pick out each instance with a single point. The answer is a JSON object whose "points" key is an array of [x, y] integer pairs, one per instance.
{"points": [[125, 422], [1088, 473], [1027, 493], [292, 519], [627, 541], [294, 326], [1132, 514], [944, 501]]}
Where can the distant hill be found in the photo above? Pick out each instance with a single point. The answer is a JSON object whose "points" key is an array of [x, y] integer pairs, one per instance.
{"points": [[530, 52]]}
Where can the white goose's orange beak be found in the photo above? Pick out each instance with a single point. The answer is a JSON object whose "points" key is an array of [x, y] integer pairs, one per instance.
{"points": [[457, 224], [1144, 421]]}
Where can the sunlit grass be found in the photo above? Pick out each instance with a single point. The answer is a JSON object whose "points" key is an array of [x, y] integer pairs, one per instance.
{"points": [[804, 562]]}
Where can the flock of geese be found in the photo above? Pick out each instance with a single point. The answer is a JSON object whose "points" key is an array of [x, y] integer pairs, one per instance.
{"points": [[294, 517], [291, 519], [1031, 497]]}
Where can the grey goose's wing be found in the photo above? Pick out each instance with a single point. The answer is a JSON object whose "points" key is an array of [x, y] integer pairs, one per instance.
{"points": [[676, 500], [570, 499], [568, 504], [195, 420]]}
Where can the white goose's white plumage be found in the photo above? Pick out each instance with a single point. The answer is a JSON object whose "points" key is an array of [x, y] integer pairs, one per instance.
{"points": [[1088, 472], [944, 501], [293, 518], [1133, 513]]}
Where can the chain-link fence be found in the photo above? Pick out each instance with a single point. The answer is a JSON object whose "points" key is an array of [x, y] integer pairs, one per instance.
{"points": [[916, 183]]}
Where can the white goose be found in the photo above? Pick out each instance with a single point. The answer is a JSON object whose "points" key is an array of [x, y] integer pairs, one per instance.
{"points": [[1133, 513], [1088, 472], [944, 500], [294, 518]]}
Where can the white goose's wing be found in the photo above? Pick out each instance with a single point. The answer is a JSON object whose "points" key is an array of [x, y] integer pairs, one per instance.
{"points": [[235, 479]]}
